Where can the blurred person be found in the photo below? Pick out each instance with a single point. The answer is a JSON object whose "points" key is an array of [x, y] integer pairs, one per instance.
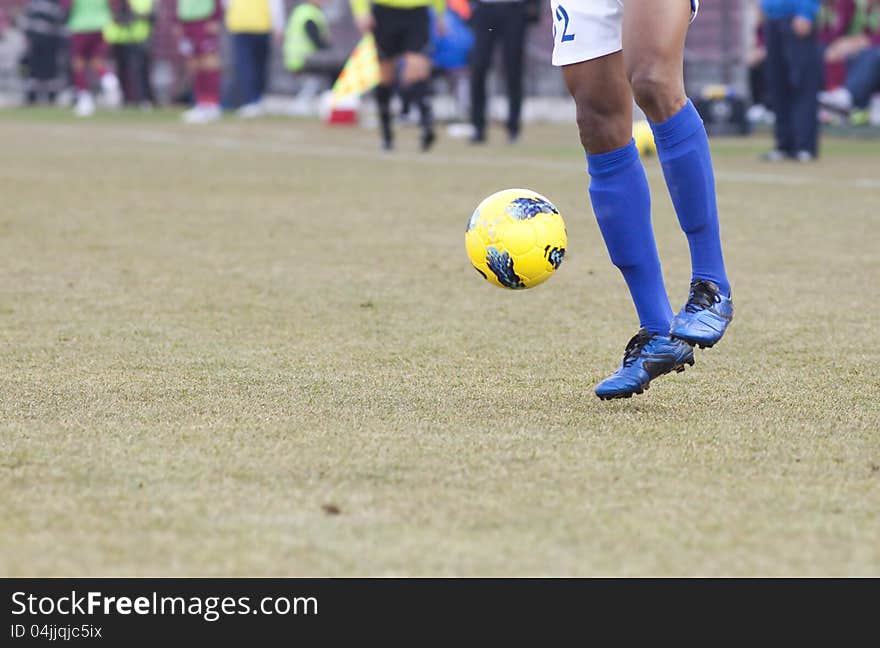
{"points": [[402, 29], [859, 50], [611, 53], [44, 27], [498, 22], [86, 22], [835, 20], [128, 34], [252, 24], [794, 77], [451, 52], [307, 47], [198, 27], [13, 46]]}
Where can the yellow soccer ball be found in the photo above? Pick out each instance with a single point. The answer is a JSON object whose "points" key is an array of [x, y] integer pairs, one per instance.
{"points": [[644, 137], [516, 239]]}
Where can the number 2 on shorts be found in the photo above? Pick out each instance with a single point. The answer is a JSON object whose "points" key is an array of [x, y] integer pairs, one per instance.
{"points": [[562, 14]]}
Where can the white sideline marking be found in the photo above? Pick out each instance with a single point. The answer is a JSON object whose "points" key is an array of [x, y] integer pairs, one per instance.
{"points": [[331, 151], [763, 178]]}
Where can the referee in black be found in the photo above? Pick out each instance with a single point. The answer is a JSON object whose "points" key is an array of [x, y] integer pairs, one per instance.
{"points": [[501, 21], [402, 29]]}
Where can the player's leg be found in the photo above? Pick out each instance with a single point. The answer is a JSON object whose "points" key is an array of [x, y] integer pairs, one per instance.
{"points": [[621, 201], [387, 47], [39, 64], [85, 103], [121, 60], [78, 63], [417, 68], [653, 51], [653, 46], [862, 78], [146, 74], [57, 81], [188, 44], [618, 186], [208, 66], [207, 82], [205, 66], [137, 62], [242, 45], [99, 54], [482, 25], [416, 82], [513, 49], [262, 49], [384, 92], [807, 71], [778, 89]]}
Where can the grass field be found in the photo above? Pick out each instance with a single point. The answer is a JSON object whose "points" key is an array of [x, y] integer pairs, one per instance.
{"points": [[259, 349]]}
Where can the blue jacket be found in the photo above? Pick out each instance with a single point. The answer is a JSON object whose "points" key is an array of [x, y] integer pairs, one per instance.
{"points": [[785, 8]]}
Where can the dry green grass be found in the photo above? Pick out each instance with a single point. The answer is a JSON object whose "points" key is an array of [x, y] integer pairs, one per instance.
{"points": [[209, 334]]}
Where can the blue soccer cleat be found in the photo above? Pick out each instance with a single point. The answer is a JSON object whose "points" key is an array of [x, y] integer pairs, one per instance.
{"points": [[647, 356], [705, 317]]}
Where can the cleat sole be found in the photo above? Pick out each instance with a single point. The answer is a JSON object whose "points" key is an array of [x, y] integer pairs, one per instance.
{"points": [[680, 368], [695, 343]]}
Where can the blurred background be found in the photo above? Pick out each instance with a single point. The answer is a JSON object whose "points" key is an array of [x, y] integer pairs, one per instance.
{"points": [[724, 63]]}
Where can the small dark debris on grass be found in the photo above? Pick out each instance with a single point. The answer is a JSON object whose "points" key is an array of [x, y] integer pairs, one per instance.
{"points": [[331, 509], [367, 304]]}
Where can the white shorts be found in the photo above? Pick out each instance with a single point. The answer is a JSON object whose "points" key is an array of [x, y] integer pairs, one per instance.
{"points": [[587, 29]]}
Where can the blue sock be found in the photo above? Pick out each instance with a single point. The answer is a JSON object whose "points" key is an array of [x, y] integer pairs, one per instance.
{"points": [[683, 149], [622, 204]]}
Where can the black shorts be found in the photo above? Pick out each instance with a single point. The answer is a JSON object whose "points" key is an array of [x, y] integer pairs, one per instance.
{"points": [[399, 31]]}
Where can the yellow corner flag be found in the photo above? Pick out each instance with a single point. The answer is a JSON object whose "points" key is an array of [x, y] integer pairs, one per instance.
{"points": [[361, 71]]}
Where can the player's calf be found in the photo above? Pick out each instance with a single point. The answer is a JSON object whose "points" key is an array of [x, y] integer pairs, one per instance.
{"points": [[603, 101]]}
